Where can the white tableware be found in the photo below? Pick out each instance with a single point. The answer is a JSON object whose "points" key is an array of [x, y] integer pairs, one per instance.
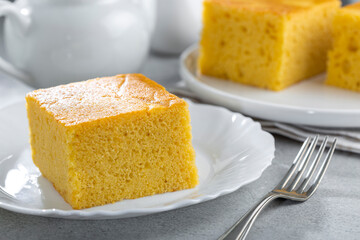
{"points": [[231, 151], [309, 102], [52, 42], [178, 25]]}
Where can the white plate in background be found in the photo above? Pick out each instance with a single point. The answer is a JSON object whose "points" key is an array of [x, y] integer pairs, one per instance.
{"points": [[309, 102], [231, 151]]}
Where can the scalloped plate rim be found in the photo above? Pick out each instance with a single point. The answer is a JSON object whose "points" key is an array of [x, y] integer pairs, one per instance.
{"points": [[285, 112]]}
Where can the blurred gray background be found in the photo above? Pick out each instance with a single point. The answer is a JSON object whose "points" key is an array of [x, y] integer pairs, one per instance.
{"points": [[345, 2]]}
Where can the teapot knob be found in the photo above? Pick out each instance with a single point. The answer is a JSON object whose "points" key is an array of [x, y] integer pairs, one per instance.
{"points": [[20, 17]]}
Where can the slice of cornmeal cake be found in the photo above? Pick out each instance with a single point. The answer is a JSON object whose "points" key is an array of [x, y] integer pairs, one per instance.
{"points": [[112, 138], [269, 44], [344, 58]]}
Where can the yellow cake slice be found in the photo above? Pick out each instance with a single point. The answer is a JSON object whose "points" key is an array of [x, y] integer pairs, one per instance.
{"points": [[344, 58], [269, 44], [112, 138]]}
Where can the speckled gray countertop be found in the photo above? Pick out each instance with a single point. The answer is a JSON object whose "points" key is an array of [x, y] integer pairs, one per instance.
{"points": [[332, 213]]}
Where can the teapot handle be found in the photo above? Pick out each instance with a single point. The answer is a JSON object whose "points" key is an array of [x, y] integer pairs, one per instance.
{"points": [[22, 22]]}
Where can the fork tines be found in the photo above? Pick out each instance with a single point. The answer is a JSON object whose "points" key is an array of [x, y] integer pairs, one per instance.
{"points": [[305, 173]]}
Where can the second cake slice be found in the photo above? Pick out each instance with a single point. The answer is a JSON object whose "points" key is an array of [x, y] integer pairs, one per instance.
{"points": [[266, 43]]}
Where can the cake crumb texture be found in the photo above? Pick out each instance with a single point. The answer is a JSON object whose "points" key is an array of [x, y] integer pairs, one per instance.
{"points": [[270, 44], [344, 57], [109, 139]]}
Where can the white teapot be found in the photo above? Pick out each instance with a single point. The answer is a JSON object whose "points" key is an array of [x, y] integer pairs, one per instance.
{"points": [[52, 42]]}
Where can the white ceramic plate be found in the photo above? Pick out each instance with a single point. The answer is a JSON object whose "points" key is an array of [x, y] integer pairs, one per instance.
{"points": [[309, 102], [231, 151]]}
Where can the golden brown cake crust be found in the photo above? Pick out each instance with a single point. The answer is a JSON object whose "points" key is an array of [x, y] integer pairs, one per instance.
{"points": [[271, 6], [90, 100]]}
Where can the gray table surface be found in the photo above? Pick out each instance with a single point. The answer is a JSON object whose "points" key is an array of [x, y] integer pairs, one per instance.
{"points": [[332, 213]]}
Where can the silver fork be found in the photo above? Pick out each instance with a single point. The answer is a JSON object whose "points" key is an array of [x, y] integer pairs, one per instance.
{"points": [[294, 186]]}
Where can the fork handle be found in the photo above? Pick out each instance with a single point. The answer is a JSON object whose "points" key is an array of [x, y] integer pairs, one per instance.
{"points": [[241, 228]]}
